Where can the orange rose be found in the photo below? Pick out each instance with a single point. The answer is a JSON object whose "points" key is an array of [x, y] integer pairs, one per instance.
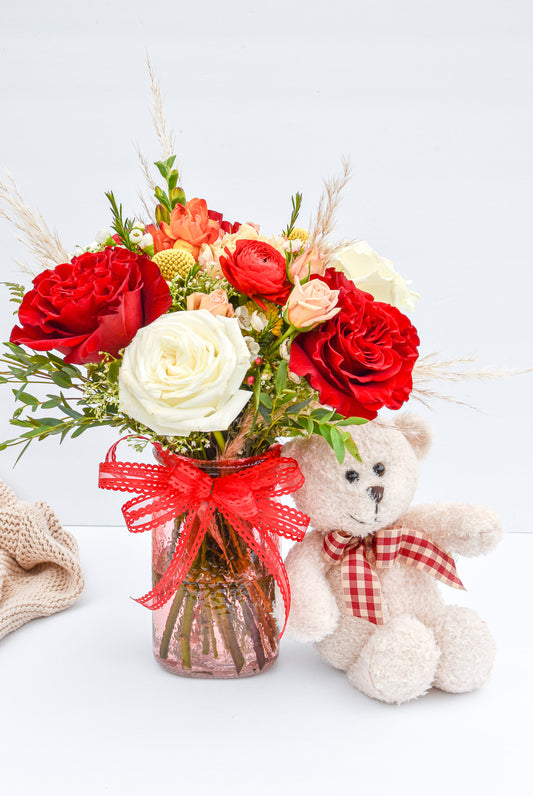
{"points": [[216, 303], [190, 226]]}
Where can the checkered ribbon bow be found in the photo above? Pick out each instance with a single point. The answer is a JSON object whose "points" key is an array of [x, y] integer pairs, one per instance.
{"points": [[360, 558]]}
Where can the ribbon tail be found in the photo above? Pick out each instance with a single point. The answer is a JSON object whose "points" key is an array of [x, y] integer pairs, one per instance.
{"points": [[191, 538], [426, 556], [361, 588], [158, 510], [282, 520]]}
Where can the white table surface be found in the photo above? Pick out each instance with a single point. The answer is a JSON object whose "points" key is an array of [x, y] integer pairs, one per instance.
{"points": [[84, 708]]}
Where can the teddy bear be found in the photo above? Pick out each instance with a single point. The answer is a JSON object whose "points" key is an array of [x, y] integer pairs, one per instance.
{"points": [[364, 582]]}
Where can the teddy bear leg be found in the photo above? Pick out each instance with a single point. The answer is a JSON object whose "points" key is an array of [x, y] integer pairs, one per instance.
{"points": [[344, 645], [467, 650], [398, 662]]}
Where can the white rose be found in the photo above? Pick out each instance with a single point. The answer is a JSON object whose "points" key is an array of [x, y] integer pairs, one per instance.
{"points": [[182, 373], [374, 274]]}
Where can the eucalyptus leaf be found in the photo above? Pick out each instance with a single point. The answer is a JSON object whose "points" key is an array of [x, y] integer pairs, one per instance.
{"points": [[61, 379], [352, 421], [351, 447], [337, 443], [266, 400], [281, 376], [296, 408], [68, 410]]}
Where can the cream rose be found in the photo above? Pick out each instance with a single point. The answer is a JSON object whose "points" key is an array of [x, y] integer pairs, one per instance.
{"points": [[216, 303], [306, 264], [310, 304], [182, 373], [374, 274]]}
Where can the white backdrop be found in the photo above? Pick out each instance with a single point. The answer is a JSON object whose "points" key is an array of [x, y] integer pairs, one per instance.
{"points": [[432, 103]]}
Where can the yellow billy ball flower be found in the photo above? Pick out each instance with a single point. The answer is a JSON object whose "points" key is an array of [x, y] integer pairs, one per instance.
{"points": [[172, 262], [299, 234]]}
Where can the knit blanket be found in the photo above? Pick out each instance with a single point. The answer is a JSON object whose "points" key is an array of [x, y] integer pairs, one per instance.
{"points": [[40, 571]]}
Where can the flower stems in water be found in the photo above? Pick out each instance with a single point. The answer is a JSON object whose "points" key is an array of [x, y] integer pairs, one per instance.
{"points": [[223, 608]]}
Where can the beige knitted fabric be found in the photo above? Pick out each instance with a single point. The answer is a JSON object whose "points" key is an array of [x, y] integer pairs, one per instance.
{"points": [[40, 571]]}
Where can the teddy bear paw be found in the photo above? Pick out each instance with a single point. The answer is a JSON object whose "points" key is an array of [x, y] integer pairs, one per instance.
{"points": [[310, 621], [467, 650], [398, 663], [483, 530]]}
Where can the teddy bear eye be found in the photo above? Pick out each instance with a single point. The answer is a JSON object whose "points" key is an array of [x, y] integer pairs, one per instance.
{"points": [[379, 469], [351, 476]]}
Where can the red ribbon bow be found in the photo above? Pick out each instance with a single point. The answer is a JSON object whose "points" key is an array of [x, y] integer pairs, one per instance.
{"points": [[361, 557], [179, 486]]}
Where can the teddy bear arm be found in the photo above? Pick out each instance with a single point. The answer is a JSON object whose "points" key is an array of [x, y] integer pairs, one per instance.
{"points": [[460, 528], [314, 612]]}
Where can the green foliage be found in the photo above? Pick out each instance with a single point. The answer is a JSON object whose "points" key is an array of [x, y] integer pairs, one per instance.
{"points": [[286, 406], [173, 195], [122, 226], [73, 414], [17, 293], [296, 201], [196, 281]]}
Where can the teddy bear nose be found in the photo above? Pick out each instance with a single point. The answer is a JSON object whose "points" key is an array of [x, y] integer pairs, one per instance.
{"points": [[376, 493]]}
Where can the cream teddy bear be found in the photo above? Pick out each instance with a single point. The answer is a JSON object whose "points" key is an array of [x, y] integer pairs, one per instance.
{"points": [[364, 582]]}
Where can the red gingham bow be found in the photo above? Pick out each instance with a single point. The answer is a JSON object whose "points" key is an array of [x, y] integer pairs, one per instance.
{"points": [[178, 486], [361, 557]]}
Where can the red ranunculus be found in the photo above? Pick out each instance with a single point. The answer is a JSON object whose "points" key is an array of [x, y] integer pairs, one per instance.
{"points": [[94, 304], [362, 359], [258, 270]]}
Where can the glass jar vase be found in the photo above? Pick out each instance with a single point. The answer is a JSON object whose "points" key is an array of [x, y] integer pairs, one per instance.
{"points": [[219, 623]]}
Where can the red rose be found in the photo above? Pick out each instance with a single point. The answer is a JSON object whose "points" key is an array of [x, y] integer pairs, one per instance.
{"points": [[361, 359], [95, 303], [258, 270]]}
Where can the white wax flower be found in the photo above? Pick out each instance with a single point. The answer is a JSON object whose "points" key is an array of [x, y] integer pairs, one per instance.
{"points": [[253, 346], [285, 351], [103, 236], [136, 235], [182, 373], [374, 275], [146, 241], [258, 321], [138, 225], [243, 318]]}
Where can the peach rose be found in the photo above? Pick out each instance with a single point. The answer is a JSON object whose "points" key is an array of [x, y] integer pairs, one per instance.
{"points": [[308, 263], [310, 304], [216, 303], [190, 225]]}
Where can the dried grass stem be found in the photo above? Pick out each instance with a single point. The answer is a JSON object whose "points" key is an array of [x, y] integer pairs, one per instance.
{"points": [[33, 231], [322, 225]]}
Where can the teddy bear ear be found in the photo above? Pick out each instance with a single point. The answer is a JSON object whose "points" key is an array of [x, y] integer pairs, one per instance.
{"points": [[417, 431]]}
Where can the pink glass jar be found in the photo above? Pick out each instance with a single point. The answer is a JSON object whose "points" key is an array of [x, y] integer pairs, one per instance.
{"points": [[220, 621]]}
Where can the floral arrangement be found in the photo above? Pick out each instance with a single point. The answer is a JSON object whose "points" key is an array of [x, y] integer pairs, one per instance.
{"points": [[207, 336], [211, 340]]}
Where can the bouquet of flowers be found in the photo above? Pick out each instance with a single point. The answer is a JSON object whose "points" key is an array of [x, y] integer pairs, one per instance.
{"points": [[210, 340], [206, 336]]}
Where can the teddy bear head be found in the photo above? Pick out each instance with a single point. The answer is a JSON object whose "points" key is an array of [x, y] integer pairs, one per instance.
{"points": [[361, 497]]}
